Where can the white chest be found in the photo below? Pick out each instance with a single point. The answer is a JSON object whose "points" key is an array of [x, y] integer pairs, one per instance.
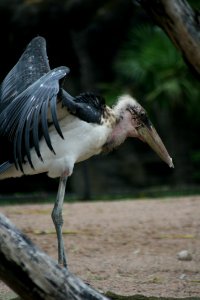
{"points": [[81, 141]]}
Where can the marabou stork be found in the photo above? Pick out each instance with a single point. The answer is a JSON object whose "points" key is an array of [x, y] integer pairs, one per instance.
{"points": [[48, 130]]}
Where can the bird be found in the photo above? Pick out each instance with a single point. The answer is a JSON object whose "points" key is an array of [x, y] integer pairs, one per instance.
{"points": [[47, 130]]}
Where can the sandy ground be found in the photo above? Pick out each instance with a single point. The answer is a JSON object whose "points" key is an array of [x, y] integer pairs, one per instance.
{"points": [[127, 247]]}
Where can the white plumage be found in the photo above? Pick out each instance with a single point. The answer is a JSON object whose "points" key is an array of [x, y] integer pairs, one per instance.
{"points": [[81, 141]]}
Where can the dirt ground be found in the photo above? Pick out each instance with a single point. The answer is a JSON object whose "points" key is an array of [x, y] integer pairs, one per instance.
{"points": [[127, 247]]}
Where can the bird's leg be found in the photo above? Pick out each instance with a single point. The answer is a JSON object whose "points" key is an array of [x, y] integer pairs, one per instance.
{"points": [[58, 220]]}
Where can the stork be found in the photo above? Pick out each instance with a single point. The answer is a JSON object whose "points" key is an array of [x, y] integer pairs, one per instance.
{"points": [[47, 130]]}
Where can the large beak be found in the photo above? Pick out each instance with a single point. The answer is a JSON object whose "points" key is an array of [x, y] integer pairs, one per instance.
{"points": [[148, 134]]}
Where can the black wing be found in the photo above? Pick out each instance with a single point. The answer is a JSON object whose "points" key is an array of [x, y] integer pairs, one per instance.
{"points": [[31, 66], [25, 101], [88, 107]]}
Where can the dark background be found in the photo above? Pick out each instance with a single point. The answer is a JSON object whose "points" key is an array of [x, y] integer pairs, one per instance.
{"points": [[112, 47]]}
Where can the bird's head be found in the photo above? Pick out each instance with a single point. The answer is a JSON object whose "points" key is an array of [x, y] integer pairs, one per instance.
{"points": [[133, 120]]}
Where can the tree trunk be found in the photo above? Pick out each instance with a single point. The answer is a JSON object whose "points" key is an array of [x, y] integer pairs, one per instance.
{"points": [[34, 275], [182, 25]]}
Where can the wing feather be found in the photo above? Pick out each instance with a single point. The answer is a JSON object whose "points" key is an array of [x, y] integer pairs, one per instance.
{"points": [[33, 103], [44, 111], [32, 65], [27, 137], [35, 129], [53, 103], [88, 107]]}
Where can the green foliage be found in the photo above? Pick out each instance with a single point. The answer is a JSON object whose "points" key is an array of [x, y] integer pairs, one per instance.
{"points": [[195, 159], [146, 51], [194, 4], [155, 69], [111, 91]]}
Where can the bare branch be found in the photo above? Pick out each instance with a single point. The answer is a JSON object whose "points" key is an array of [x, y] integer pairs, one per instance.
{"points": [[181, 24], [34, 275]]}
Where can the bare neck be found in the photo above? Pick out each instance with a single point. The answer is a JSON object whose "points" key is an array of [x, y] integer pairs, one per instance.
{"points": [[119, 133]]}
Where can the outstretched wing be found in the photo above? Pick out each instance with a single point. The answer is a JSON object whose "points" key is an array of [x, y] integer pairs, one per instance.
{"points": [[28, 92], [31, 66]]}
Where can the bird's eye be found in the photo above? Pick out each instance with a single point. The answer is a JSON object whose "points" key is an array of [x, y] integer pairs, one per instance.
{"points": [[143, 116]]}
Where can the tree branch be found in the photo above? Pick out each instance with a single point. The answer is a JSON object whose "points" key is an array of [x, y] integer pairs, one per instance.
{"points": [[34, 275], [182, 25]]}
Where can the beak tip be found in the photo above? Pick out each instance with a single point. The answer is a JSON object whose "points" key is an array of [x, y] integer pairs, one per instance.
{"points": [[171, 165]]}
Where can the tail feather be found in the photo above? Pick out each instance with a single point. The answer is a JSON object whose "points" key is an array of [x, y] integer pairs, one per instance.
{"points": [[5, 166]]}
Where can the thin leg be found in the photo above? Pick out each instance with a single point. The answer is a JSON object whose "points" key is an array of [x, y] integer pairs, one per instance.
{"points": [[58, 220]]}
